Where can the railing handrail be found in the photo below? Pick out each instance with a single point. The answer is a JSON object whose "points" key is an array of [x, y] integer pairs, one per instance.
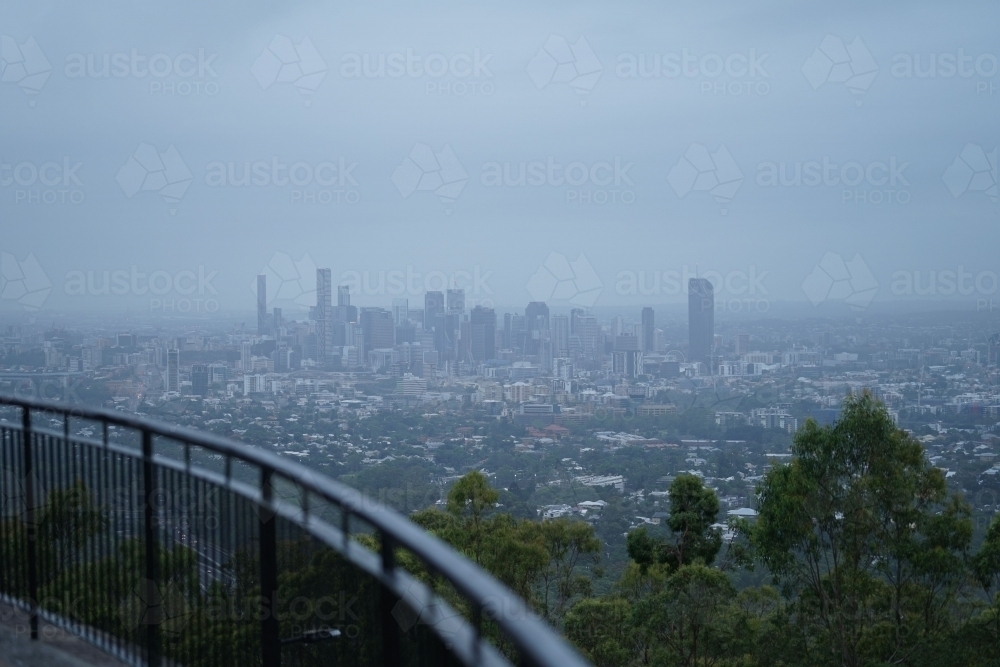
{"points": [[533, 638]]}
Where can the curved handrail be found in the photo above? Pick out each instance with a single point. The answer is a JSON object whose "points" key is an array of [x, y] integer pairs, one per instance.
{"points": [[533, 639]]}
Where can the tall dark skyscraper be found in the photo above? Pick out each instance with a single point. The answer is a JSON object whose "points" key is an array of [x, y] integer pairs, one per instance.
{"points": [[433, 306], [648, 343], [560, 335], [701, 321], [199, 379], [456, 301], [536, 318], [262, 328], [484, 333], [377, 329], [324, 315]]}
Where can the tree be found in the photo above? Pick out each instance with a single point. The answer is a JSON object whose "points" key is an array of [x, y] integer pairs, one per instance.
{"points": [[693, 510], [601, 629], [690, 620], [861, 532]]}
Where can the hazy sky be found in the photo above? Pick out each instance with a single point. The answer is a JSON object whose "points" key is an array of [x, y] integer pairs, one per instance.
{"points": [[658, 131]]}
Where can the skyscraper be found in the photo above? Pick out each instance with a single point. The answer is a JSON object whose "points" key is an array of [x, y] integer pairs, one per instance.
{"points": [[246, 357], [433, 306], [484, 333], [324, 315], [701, 321], [536, 317], [343, 295], [400, 311], [199, 379], [648, 343], [456, 301], [173, 370], [377, 329], [560, 335], [262, 328]]}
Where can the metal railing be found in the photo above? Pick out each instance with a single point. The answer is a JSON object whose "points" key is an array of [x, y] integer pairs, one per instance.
{"points": [[166, 545]]}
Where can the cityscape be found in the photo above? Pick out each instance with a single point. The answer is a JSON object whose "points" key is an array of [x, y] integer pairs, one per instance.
{"points": [[433, 334]]}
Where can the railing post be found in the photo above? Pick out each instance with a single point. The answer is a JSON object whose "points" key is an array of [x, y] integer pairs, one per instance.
{"points": [[270, 639], [29, 518], [152, 554], [391, 653]]}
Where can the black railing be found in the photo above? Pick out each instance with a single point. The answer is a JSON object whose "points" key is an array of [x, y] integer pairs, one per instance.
{"points": [[166, 545]]}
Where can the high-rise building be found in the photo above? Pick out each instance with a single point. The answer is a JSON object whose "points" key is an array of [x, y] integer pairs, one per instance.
{"points": [[324, 315], [560, 335], [199, 379], [246, 357], [433, 306], [262, 328], [377, 330], [400, 311], [536, 317], [589, 331], [484, 327], [173, 370], [742, 343], [627, 363], [701, 321], [456, 301], [276, 322], [648, 331], [343, 295]]}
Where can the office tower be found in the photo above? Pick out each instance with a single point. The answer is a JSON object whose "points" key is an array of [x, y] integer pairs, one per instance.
{"points": [[217, 373], [199, 379], [400, 311], [648, 331], [627, 363], [262, 329], [433, 306], [324, 315], [573, 315], [589, 332], [742, 343], [246, 357], [125, 340], [560, 335], [343, 295], [617, 327], [484, 327], [701, 321], [276, 322], [377, 330], [536, 318], [173, 370], [456, 301]]}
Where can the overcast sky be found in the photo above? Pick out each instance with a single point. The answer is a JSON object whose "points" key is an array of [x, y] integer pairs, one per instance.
{"points": [[659, 131]]}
